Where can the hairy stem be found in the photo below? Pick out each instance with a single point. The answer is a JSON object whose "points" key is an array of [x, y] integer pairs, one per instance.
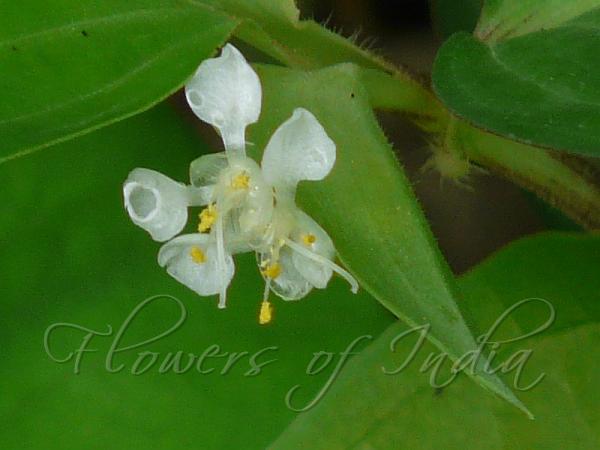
{"points": [[566, 185]]}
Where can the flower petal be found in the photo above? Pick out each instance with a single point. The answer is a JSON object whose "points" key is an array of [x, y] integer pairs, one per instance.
{"points": [[289, 284], [226, 93], [315, 239], [156, 203], [298, 150], [204, 277], [204, 171]]}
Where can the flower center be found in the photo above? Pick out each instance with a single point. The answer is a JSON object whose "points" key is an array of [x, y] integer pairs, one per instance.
{"points": [[197, 255], [241, 181], [207, 218]]}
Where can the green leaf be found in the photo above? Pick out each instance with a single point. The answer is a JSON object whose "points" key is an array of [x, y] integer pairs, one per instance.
{"points": [[366, 408], [83, 64], [539, 88], [559, 267], [451, 16], [70, 254], [367, 206], [504, 19]]}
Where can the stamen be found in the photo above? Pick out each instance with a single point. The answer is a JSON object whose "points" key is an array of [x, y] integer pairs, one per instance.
{"points": [[241, 181], [309, 239], [197, 255], [266, 313], [272, 271], [326, 262], [207, 218]]}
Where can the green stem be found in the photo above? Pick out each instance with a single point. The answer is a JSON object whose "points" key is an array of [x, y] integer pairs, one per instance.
{"points": [[564, 185]]}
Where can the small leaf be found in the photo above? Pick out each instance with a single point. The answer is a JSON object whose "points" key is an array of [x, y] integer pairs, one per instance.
{"points": [[366, 408], [539, 88], [367, 206], [82, 64]]}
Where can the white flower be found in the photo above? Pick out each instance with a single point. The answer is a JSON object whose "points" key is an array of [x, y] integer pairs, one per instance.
{"points": [[296, 253], [158, 204], [248, 208]]}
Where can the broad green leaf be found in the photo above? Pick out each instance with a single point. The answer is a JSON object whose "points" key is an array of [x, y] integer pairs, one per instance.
{"points": [[75, 65], [369, 409], [367, 206], [69, 253], [559, 267], [539, 88], [451, 16]]}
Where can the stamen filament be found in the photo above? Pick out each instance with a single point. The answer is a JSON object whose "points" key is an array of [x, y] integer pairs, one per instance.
{"points": [[221, 265], [325, 262]]}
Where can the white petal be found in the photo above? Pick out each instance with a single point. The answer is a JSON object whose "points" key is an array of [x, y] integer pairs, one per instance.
{"points": [[290, 284], [204, 171], [199, 196], [203, 278], [317, 274], [226, 93], [156, 203], [298, 150]]}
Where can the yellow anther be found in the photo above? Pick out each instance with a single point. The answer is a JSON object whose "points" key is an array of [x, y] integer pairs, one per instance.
{"points": [[309, 239], [272, 270], [266, 312], [207, 218], [241, 181], [197, 255]]}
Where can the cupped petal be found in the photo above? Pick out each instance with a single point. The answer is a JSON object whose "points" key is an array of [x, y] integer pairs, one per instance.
{"points": [[310, 236], [192, 260], [226, 93], [156, 203], [205, 171], [289, 284], [300, 149]]}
